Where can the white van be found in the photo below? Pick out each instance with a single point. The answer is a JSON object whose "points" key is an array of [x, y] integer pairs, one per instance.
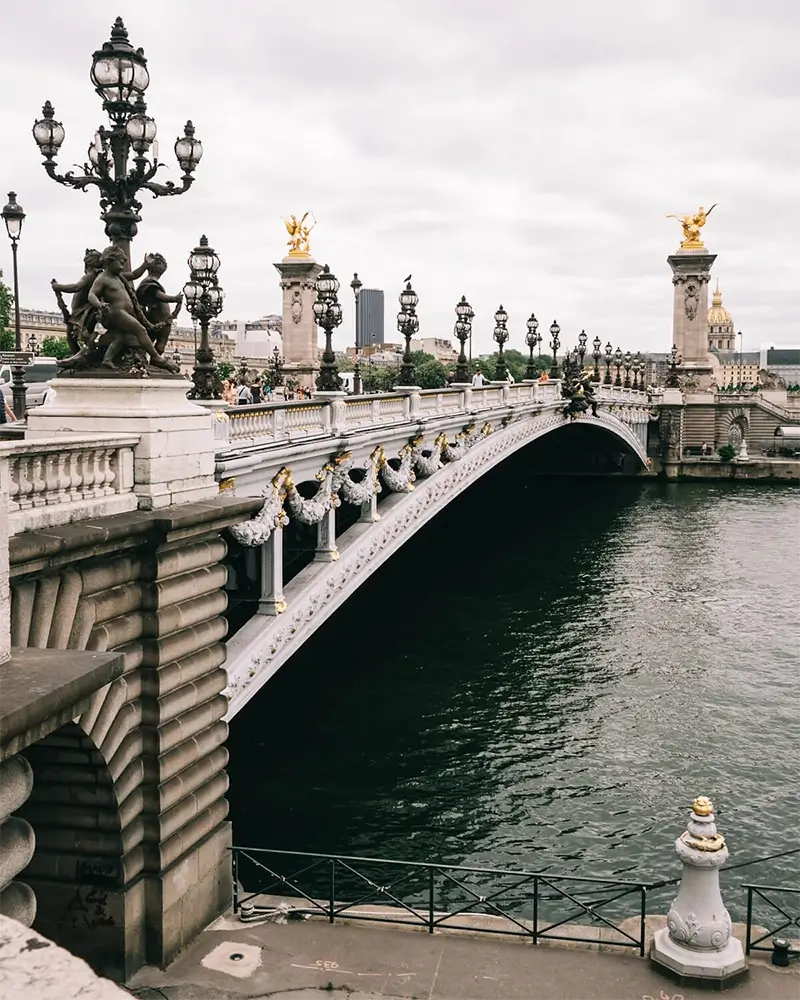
{"points": [[37, 374]]}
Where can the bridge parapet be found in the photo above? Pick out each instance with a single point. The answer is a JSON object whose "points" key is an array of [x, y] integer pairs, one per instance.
{"points": [[68, 479], [286, 422]]}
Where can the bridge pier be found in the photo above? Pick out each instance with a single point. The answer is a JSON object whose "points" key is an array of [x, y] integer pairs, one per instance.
{"points": [[272, 601]]}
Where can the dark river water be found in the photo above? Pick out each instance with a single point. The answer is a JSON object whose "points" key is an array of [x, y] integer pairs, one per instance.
{"points": [[545, 677]]}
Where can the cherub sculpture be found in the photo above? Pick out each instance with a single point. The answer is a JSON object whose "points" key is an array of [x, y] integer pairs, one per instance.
{"points": [[81, 318], [118, 309], [155, 302]]}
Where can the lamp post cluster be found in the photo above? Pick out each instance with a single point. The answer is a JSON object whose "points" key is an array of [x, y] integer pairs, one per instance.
{"points": [[463, 332], [675, 361], [356, 285], [328, 314], [120, 77], [204, 297], [408, 326]]}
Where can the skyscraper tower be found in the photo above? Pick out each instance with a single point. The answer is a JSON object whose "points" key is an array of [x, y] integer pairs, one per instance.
{"points": [[369, 330]]}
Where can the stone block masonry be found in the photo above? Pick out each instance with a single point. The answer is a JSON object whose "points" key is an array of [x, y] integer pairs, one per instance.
{"points": [[128, 803]]}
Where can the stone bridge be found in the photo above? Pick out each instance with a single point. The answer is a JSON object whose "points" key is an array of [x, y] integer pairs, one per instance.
{"points": [[397, 459], [116, 688]]}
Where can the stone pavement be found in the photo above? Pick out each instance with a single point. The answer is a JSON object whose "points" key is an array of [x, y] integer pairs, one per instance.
{"points": [[312, 959]]}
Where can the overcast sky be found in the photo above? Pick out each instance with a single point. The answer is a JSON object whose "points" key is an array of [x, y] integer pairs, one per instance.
{"points": [[516, 151]]}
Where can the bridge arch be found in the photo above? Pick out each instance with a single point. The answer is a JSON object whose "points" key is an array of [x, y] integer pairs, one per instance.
{"points": [[264, 643]]}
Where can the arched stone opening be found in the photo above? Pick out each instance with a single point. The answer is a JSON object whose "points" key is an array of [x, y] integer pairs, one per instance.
{"points": [[88, 851], [582, 448]]}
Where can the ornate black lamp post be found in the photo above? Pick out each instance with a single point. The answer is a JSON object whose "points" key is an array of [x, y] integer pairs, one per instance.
{"points": [[14, 216], [328, 314], [355, 284], [501, 336], [204, 297], [627, 365], [277, 367], [638, 374], [581, 347], [609, 351], [33, 344], [618, 366], [463, 331], [672, 377], [120, 76], [555, 343], [596, 357], [408, 325], [532, 338]]}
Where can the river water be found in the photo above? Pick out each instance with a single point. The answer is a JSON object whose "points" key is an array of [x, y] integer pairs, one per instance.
{"points": [[545, 677]]}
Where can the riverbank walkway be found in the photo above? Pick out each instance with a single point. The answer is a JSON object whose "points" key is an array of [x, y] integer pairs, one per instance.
{"points": [[312, 959]]}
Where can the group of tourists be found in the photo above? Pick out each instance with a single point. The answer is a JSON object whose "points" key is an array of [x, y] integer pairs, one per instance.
{"points": [[248, 393]]}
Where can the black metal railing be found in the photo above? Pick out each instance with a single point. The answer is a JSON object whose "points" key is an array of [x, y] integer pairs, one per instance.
{"points": [[763, 898], [537, 905]]}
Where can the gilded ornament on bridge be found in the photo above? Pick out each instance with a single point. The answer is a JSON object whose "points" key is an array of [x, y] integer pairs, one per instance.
{"points": [[692, 224], [299, 233]]}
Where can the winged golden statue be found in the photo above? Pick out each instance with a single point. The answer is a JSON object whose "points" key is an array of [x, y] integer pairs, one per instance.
{"points": [[692, 224], [299, 233]]}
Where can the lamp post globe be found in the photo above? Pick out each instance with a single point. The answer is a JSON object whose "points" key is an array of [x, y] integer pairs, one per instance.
{"points": [[13, 217]]}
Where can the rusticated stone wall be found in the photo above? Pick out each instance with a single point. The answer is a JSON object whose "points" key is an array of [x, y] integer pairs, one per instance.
{"points": [[128, 802]]}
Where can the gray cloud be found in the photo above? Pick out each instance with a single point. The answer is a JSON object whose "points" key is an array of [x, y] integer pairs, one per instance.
{"points": [[517, 152]]}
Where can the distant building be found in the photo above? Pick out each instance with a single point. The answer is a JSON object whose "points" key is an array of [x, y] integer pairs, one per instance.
{"points": [[442, 350], [36, 324], [369, 327], [783, 362], [721, 334]]}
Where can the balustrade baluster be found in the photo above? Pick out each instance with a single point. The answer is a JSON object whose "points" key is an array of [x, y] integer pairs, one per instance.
{"points": [[62, 475], [38, 496], [13, 483], [51, 478]]}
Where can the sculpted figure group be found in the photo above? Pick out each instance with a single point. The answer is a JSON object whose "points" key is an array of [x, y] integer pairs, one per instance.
{"points": [[112, 324]]}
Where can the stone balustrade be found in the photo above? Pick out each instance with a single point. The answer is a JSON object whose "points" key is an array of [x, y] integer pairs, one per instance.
{"points": [[299, 420], [53, 482]]}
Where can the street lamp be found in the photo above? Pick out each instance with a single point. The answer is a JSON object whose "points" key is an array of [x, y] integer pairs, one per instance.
{"points": [[33, 344], [463, 331], [672, 376], [582, 346], [277, 367], [638, 374], [609, 351], [355, 284], [618, 366], [328, 314], [596, 356], [555, 329], [120, 77], [408, 325], [627, 366], [13, 216], [532, 338], [500, 336], [204, 296]]}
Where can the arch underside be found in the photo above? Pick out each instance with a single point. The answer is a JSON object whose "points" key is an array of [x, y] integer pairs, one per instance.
{"points": [[264, 643]]}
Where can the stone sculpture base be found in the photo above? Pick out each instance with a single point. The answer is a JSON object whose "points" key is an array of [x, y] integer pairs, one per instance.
{"points": [[716, 966], [174, 460]]}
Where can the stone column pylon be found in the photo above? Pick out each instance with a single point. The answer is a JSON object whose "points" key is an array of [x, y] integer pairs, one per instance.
{"points": [[697, 941], [691, 272], [298, 281]]}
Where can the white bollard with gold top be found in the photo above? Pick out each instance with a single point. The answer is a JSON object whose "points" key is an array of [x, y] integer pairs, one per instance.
{"points": [[697, 940]]}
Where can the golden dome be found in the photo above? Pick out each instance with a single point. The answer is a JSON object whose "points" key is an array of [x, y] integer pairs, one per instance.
{"points": [[718, 315]]}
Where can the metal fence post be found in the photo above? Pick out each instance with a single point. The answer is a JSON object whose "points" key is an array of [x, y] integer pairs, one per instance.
{"points": [[430, 899], [332, 910], [235, 876], [642, 919], [535, 909], [749, 920]]}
